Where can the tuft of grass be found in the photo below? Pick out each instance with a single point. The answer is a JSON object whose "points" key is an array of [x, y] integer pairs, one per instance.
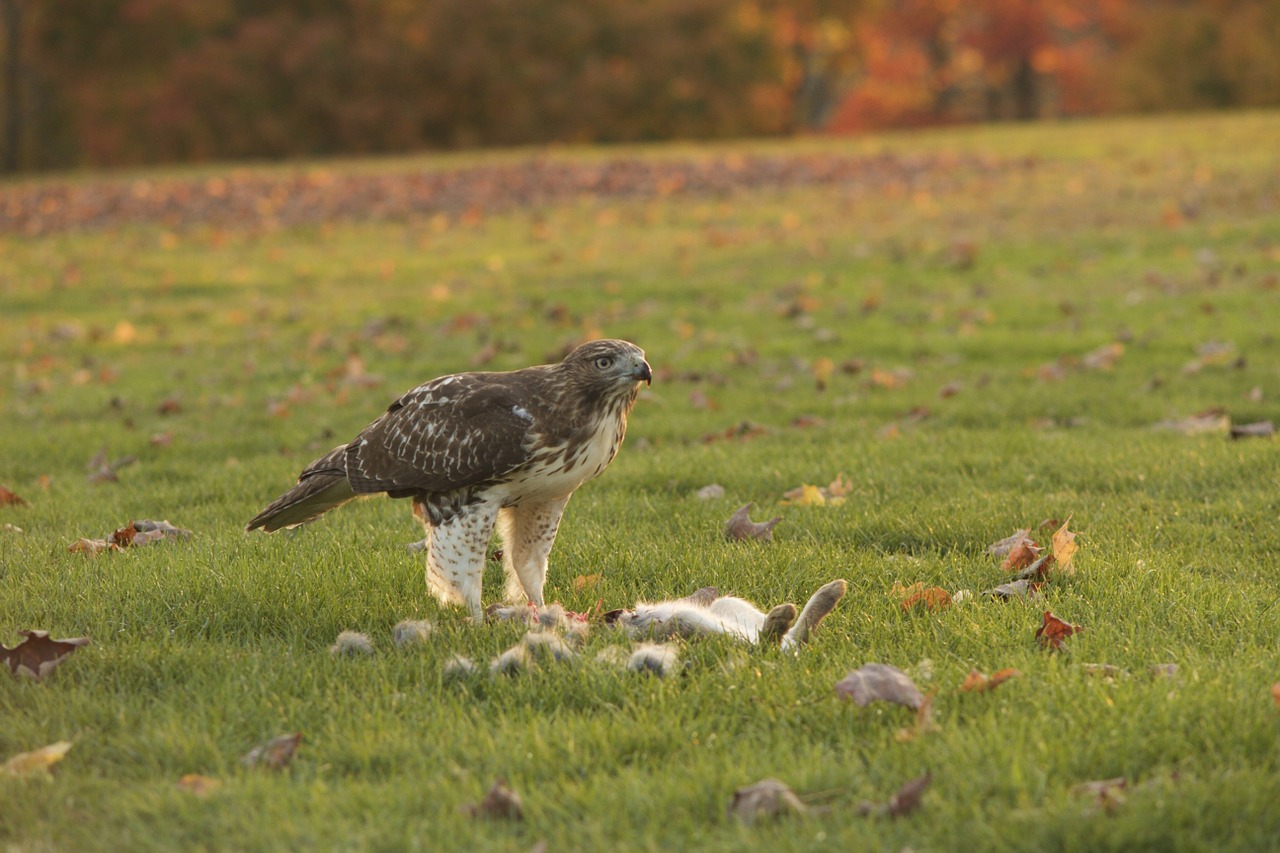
{"points": [[1159, 234]]}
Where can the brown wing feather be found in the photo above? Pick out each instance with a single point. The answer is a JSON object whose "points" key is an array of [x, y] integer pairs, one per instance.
{"points": [[450, 433]]}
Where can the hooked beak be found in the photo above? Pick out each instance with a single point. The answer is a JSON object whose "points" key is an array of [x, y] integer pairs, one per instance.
{"points": [[643, 373]]}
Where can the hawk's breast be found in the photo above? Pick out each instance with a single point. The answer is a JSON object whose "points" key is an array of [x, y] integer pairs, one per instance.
{"points": [[556, 470]]}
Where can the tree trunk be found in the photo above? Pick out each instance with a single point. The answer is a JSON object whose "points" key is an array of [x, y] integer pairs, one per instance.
{"points": [[1026, 101], [11, 12]]}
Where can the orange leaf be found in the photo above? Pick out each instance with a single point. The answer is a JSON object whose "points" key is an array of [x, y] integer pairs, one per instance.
{"points": [[1054, 630], [1064, 548], [977, 682], [201, 786], [1020, 556], [8, 498], [582, 582], [933, 599], [1275, 693]]}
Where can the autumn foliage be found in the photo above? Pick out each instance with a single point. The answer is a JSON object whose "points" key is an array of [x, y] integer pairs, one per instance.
{"points": [[136, 81]]}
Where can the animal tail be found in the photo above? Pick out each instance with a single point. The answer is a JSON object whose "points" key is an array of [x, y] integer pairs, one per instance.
{"points": [[321, 487]]}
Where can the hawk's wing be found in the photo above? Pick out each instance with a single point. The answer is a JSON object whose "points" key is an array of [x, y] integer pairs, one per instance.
{"points": [[452, 432]]}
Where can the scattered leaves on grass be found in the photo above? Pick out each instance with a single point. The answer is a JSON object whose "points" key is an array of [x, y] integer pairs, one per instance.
{"points": [[1260, 429], [768, 798], [500, 803], [932, 599], [880, 681], [37, 655], [1017, 589], [1038, 570], [200, 786], [832, 494], [36, 762], [1053, 631], [8, 498], [1064, 548], [740, 526], [978, 682], [135, 534], [274, 754]]}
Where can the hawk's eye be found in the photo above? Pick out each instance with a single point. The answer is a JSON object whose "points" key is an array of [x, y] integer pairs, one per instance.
{"points": [[604, 362]]}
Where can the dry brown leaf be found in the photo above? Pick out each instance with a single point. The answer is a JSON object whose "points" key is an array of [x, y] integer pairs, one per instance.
{"points": [[923, 723], [909, 796], [1007, 544], [274, 754], [91, 546], [1053, 631], [1017, 589], [767, 798], [201, 786], [582, 582], [978, 682], [1104, 357], [740, 526], [1275, 693], [1207, 421], [1108, 794], [1020, 556], [880, 681], [37, 655], [8, 498], [1064, 548], [933, 599], [832, 494], [38, 761], [102, 471], [500, 803]]}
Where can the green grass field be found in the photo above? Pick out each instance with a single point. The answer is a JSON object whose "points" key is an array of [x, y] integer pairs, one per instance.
{"points": [[225, 359]]}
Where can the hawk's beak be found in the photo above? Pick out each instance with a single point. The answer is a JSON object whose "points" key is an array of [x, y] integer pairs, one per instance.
{"points": [[644, 373]]}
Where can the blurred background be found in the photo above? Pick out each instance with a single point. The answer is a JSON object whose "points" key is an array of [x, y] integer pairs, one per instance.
{"points": [[98, 83]]}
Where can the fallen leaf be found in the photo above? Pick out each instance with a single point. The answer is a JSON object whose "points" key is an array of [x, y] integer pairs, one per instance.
{"points": [[1064, 548], [102, 471], [1054, 630], [274, 754], [740, 526], [1260, 429], [582, 582], [1275, 693], [1037, 570], [1020, 556], [880, 681], [908, 797], [832, 494], [37, 655], [36, 761], [767, 798], [1007, 544], [91, 546], [1104, 357], [1208, 421], [8, 498], [1017, 589], [923, 723], [978, 682], [933, 599], [201, 786], [500, 803]]}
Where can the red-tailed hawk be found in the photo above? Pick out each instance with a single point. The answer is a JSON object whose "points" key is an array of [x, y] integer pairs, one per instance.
{"points": [[473, 449]]}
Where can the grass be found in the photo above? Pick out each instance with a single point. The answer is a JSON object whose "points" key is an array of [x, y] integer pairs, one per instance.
{"points": [[1161, 233]]}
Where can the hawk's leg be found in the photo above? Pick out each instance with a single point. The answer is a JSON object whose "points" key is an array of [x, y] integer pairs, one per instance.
{"points": [[455, 554], [528, 531]]}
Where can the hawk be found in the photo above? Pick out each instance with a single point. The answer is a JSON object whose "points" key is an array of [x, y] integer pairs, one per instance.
{"points": [[477, 449]]}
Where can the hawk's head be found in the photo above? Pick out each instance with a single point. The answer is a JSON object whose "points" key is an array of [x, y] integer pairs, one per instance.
{"points": [[608, 368]]}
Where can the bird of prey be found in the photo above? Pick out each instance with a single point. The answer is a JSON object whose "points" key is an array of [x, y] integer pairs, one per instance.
{"points": [[472, 449]]}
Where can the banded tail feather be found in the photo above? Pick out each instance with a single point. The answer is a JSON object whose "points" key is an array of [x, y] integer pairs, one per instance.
{"points": [[321, 487]]}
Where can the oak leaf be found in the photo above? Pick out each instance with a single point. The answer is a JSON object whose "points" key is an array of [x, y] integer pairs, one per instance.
{"points": [[740, 526], [1053, 631], [37, 655], [880, 681], [36, 761]]}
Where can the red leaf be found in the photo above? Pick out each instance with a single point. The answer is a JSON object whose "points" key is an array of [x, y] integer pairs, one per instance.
{"points": [[37, 655], [1054, 630]]}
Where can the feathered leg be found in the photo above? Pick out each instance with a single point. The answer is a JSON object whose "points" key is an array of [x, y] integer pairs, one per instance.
{"points": [[456, 550], [528, 532]]}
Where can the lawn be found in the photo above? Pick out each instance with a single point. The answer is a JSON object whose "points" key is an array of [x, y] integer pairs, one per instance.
{"points": [[990, 329]]}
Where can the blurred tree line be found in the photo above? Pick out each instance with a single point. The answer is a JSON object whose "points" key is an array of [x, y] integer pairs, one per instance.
{"points": [[111, 82]]}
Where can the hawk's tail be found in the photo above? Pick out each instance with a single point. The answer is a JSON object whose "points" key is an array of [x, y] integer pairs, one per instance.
{"points": [[321, 487]]}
